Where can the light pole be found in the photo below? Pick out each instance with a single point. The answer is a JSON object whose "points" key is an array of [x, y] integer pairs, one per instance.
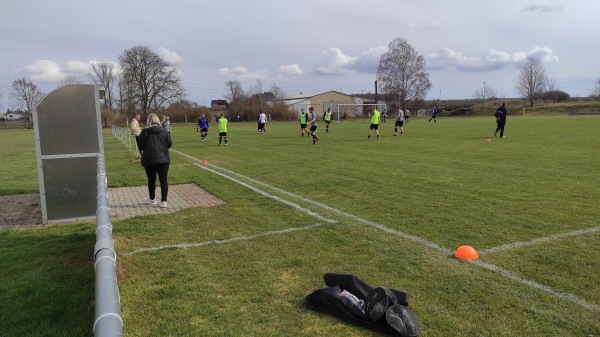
{"points": [[484, 93]]}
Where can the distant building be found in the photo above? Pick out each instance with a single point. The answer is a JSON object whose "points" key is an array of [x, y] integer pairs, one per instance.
{"points": [[321, 101], [11, 116], [218, 104]]}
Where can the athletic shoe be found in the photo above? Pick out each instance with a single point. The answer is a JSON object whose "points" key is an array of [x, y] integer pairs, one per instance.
{"points": [[395, 134], [163, 204], [150, 201]]}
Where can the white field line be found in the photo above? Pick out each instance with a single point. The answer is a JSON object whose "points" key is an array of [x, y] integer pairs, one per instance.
{"points": [[538, 241], [220, 242], [283, 201], [539, 286], [496, 269], [339, 212]]}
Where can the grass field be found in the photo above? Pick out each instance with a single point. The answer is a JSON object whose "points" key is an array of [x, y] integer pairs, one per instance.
{"points": [[391, 212]]}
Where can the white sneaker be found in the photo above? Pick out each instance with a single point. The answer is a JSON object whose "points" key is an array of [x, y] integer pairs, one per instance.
{"points": [[163, 204], [150, 201]]}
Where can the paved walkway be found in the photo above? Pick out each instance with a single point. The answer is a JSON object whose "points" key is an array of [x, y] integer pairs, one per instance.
{"points": [[24, 210]]}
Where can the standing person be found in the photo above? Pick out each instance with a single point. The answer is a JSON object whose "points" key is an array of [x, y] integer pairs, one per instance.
{"points": [[406, 115], [500, 114], [399, 123], [303, 119], [312, 120], [223, 123], [202, 125], [262, 120], [375, 119], [154, 143], [135, 126], [327, 119], [167, 124], [434, 114], [135, 131]]}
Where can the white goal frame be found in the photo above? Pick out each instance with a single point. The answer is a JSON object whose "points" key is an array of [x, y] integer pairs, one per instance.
{"points": [[383, 105]]}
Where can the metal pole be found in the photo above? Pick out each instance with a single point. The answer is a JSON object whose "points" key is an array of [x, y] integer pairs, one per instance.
{"points": [[108, 320]]}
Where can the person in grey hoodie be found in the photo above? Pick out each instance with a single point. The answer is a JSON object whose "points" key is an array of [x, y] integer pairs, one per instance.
{"points": [[154, 143]]}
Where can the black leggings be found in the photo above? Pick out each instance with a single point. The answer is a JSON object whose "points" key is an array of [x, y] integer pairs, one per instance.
{"points": [[163, 171], [500, 128]]}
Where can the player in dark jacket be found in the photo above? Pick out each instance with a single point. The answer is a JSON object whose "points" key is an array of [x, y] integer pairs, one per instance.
{"points": [[500, 114], [154, 143]]}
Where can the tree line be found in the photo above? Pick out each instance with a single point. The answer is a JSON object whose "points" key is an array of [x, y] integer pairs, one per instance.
{"points": [[147, 83]]}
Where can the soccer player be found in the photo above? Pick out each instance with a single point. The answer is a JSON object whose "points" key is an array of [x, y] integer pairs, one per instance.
{"points": [[327, 119], [434, 114], [202, 124], [501, 113], [262, 120], [399, 123], [312, 120], [303, 116], [223, 123], [375, 119]]}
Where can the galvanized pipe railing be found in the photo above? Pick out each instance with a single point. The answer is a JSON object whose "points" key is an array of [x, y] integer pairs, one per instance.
{"points": [[108, 320]]}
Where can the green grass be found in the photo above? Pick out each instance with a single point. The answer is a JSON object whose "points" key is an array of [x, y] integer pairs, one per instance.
{"points": [[442, 183]]}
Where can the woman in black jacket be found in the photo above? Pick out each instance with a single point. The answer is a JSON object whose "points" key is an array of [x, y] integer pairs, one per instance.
{"points": [[154, 143]]}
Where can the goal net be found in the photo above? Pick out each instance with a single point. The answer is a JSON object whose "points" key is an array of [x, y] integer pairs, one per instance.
{"points": [[346, 111]]}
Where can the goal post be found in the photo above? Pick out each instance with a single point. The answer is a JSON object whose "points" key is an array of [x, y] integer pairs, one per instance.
{"points": [[356, 110]]}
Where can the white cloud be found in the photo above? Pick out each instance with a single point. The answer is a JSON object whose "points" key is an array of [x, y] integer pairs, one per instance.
{"points": [[45, 70], [243, 73], [335, 62], [169, 56], [544, 6], [78, 66], [447, 58], [291, 70]]}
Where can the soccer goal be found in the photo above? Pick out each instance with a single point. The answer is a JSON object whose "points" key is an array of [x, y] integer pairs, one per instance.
{"points": [[357, 110]]}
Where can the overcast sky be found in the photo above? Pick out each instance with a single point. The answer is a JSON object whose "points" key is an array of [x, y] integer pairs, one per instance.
{"points": [[304, 45]]}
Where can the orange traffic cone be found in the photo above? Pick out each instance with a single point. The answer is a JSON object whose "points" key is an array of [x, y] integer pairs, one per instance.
{"points": [[204, 162], [466, 253]]}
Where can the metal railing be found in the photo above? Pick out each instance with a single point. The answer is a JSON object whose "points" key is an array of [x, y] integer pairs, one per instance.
{"points": [[125, 137], [108, 320]]}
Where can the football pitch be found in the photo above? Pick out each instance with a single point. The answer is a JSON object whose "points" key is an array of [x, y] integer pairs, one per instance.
{"points": [[391, 211]]}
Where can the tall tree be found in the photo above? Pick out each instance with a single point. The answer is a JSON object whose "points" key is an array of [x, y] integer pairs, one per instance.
{"points": [[25, 95], [151, 82], [235, 94], [401, 73], [104, 74], [278, 92], [532, 80]]}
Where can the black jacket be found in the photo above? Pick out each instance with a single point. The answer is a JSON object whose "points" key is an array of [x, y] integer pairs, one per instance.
{"points": [[154, 143]]}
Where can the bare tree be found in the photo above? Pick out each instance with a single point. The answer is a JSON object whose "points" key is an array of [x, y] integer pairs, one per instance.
{"points": [[257, 91], [278, 92], [596, 90], [25, 95], [104, 74], [150, 82], [401, 73], [235, 93], [485, 93], [68, 80], [532, 80]]}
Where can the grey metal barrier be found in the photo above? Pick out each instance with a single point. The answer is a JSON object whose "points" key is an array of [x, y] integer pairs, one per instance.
{"points": [[125, 137], [108, 320]]}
